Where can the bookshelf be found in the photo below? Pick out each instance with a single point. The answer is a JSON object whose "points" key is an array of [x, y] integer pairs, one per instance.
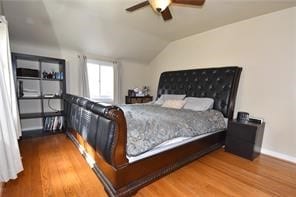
{"points": [[40, 84]]}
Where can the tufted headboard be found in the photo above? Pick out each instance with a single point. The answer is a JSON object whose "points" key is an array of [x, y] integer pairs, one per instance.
{"points": [[221, 84]]}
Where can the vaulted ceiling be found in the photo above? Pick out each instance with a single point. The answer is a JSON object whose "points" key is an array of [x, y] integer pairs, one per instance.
{"points": [[103, 27]]}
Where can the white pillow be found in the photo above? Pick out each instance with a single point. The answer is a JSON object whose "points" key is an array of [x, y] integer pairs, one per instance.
{"points": [[176, 104], [165, 97], [198, 104]]}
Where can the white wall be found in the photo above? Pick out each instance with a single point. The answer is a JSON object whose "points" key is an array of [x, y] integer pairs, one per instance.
{"points": [[133, 75], [265, 47]]}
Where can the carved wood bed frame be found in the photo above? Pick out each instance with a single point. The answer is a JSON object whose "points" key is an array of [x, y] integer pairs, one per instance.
{"points": [[102, 132]]}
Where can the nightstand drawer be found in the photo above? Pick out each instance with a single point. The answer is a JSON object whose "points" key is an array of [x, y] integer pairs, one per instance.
{"points": [[242, 131], [240, 147]]}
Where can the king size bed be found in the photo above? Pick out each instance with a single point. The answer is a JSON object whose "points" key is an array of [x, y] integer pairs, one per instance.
{"points": [[134, 145]]}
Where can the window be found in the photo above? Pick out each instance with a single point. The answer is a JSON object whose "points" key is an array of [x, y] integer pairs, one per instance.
{"points": [[101, 80]]}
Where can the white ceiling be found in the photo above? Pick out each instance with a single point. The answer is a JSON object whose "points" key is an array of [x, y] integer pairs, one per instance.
{"points": [[103, 27]]}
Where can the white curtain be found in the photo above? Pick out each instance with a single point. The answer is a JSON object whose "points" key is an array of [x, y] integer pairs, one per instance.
{"points": [[84, 87], [117, 84], [10, 130]]}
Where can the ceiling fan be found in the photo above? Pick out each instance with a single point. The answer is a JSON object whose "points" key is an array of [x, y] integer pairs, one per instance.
{"points": [[162, 6]]}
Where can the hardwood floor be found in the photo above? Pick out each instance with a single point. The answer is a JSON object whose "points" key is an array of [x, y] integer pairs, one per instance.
{"points": [[54, 167], [1, 187]]}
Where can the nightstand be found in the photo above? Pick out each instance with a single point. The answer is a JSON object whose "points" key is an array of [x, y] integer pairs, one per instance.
{"points": [[137, 99], [244, 138]]}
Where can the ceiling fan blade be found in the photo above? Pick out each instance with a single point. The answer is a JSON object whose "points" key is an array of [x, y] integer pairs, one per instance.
{"points": [[190, 2], [138, 6], [166, 14]]}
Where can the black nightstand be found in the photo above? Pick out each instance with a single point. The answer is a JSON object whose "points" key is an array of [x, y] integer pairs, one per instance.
{"points": [[138, 99], [244, 139]]}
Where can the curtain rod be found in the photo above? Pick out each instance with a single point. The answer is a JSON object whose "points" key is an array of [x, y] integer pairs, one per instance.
{"points": [[99, 59], [2, 8]]}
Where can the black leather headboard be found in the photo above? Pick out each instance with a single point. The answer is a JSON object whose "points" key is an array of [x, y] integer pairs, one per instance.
{"points": [[218, 83]]}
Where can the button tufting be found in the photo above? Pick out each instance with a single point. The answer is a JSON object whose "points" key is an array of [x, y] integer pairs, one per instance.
{"points": [[212, 82]]}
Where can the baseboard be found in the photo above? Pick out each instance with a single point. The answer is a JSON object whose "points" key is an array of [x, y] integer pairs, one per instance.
{"points": [[278, 155]]}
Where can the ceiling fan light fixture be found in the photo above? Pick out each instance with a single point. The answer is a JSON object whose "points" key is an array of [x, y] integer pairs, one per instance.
{"points": [[159, 5]]}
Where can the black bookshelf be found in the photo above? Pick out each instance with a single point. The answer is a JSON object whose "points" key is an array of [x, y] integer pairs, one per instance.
{"points": [[40, 61]]}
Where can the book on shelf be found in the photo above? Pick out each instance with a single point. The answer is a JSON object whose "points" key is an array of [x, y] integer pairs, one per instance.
{"points": [[51, 123], [45, 124], [54, 124], [61, 122]]}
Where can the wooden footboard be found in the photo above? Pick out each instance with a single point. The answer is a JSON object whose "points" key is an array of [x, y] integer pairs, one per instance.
{"points": [[101, 127]]}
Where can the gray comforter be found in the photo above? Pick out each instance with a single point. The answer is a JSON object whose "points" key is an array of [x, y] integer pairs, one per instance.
{"points": [[151, 125]]}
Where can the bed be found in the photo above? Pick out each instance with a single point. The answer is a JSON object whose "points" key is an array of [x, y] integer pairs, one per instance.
{"points": [[100, 130]]}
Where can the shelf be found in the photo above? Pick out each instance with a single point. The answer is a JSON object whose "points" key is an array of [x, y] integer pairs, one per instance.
{"points": [[55, 97], [39, 97], [29, 98], [38, 133], [40, 115], [38, 78], [50, 114], [44, 79], [28, 78]]}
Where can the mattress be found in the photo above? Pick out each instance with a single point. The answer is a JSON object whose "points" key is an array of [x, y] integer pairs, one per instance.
{"points": [[167, 145]]}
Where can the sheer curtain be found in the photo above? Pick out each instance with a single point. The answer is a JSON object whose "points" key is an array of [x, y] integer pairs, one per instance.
{"points": [[10, 130], [117, 84], [84, 86]]}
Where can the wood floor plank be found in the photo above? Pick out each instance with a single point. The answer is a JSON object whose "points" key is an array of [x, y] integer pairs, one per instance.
{"points": [[1, 188], [47, 170], [85, 175], [269, 170], [34, 164], [54, 167], [249, 178], [53, 160], [217, 179]]}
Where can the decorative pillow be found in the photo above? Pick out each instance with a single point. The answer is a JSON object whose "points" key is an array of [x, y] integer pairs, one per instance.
{"points": [[165, 97], [176, 104], [198, 104]]}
